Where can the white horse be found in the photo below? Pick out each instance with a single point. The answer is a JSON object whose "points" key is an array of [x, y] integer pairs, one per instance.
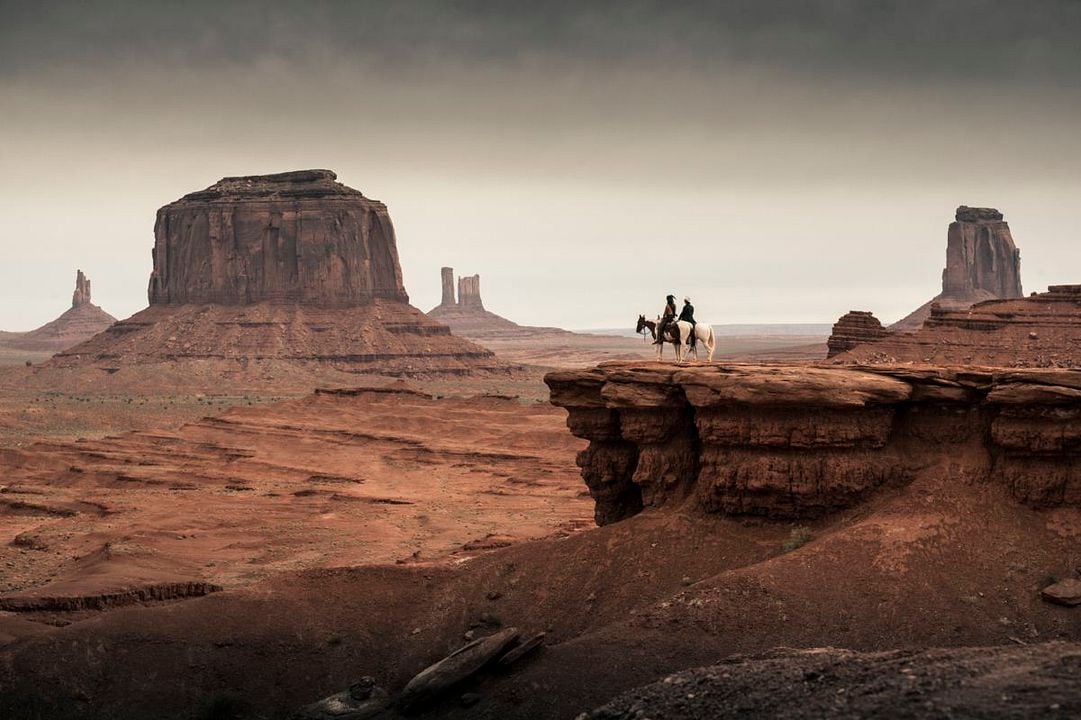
{"points": [[703, 333]]}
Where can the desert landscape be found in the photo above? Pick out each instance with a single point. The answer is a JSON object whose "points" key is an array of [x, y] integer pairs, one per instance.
{"points": [[279, 488]]}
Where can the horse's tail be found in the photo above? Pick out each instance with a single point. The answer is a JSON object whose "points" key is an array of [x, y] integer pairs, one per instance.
{"points": [[711, 344]]}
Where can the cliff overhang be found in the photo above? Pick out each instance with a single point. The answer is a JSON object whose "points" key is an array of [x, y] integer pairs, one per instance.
{"points": [[792, 442]]}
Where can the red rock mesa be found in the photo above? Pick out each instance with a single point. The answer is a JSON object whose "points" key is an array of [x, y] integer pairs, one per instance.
{"points": [[291, 266]]}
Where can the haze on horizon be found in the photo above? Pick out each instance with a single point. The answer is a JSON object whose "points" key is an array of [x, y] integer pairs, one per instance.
{"points": [[778, 161]]}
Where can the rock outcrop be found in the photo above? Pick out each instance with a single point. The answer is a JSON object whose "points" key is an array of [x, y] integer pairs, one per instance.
{"points": [[1042, 330], [293, 266], [465, 314], [797, 442], [982, 263], [289, 237], [855, 327], [81, 295], [81, 322], [974, 682]]}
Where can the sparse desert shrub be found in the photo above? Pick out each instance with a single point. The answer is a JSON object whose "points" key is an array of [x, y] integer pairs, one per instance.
{"points": [[799, 537]]}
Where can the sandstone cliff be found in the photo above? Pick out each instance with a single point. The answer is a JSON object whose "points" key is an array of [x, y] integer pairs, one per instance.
{"points": [[982, 263], [81, 322], [293, 237], [796, 442], [1042, 330], [292, 267]]}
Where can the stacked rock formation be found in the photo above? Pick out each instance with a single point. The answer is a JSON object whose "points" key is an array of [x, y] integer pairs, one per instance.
{"points": [[79, 323], [81, 295], [1042, 330], [982, 263], [796, 442], [854, 328], [291, 266], [465, 314]]}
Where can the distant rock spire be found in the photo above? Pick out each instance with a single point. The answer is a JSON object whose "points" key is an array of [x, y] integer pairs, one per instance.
{"points": [[469, 292], [448, 287], [81, 296]]}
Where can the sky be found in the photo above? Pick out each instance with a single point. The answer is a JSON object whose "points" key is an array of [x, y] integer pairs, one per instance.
{"points": [[776, 161]]}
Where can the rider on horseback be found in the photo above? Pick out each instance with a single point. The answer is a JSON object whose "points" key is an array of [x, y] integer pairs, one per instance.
{"points": [[687, 315], [667, 318]]}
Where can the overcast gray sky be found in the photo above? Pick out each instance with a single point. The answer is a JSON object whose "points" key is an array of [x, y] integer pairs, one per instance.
{"points": [[779, 161]]}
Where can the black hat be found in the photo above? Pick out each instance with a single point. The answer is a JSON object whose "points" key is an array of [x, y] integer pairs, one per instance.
{"points": [[670, 297]]}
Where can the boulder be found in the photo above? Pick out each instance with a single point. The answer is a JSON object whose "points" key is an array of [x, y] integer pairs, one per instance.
{"points": [[1067, 592], [457, 667]]}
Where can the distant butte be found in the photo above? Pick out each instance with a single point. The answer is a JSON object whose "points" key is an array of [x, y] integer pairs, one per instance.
{"points": [[79, 323], [293, 267], [1042, 331], [466, 315], [982, 263]]}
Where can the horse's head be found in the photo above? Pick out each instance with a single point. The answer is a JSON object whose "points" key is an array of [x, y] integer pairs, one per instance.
{"points": [[641, 324]]}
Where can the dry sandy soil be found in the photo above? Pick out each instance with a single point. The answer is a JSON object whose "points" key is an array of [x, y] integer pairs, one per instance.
{"points": [[334, 479], [366, 533]]}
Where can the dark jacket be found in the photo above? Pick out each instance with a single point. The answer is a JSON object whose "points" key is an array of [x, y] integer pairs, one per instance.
{"points": [[688, 314]]}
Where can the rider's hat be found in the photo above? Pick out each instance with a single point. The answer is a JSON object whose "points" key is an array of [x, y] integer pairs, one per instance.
{"points": [[686, 299]]}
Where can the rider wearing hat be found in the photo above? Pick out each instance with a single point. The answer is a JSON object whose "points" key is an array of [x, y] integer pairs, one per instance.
{"points": [[667, 318], [687, 315]]}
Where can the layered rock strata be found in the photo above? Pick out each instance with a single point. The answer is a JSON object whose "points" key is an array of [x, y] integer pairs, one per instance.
{"points": [[295, 237], [982, 263], [1042, 330], [82, 321], [855, 327], [798, 442], [81, 295], [466, 315], [293, 266]]}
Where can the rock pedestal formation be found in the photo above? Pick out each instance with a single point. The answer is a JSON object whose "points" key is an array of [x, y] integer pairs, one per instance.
{"points": [[291, 237], [981, 256], [469, 292], [81, 296], [982, 263], [796, 442], [854, 328], [465, 314], [81, 322], [448, 287], [293, 266]]}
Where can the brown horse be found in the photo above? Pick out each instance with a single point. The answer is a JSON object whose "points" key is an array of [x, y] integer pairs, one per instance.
{"points": [[671, 334]]}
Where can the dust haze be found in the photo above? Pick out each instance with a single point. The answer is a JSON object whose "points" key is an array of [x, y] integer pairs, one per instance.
{"points": [[780, 162]]}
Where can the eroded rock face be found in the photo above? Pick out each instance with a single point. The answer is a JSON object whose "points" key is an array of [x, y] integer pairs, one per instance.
{"points": [[982, 263], [981, 255], [295, 237], [293, 267], [795, 442], [1042, 331], [855, 327], [81, 296], [78, 324], [465, 313]]}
